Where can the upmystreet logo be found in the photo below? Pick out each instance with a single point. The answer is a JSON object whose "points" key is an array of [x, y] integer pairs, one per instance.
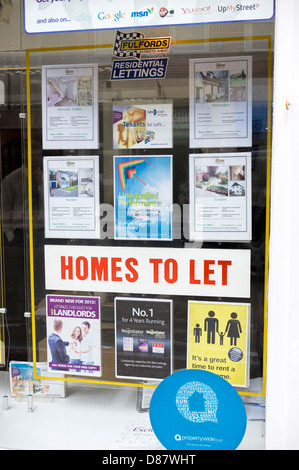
{"points": [[237, 8], [140, 14]]}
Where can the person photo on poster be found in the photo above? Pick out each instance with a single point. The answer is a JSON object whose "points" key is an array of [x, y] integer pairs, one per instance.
{"points": [[71, 197], [219, 340], [70, 106], [74, 335], [143, 197], [220, 197], [220, 102], [143, 338], [148, 125]]}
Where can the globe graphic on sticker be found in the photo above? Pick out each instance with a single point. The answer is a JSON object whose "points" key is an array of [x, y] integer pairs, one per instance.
{"points": [[197, 402], [235, 354]]}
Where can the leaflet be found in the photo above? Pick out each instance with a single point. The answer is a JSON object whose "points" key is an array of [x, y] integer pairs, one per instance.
{"points": [[71, 197], [219, 340], [143, 197], [70, 106], [220, 102], [220, 197], [74, 335], [23, 382], [143, 338], [143, 125]]}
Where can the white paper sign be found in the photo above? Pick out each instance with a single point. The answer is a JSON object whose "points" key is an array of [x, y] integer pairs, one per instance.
{"points": [[44, 16], [221, 102], [71, 197], [70, 106], [171, 271], [220, 197]]}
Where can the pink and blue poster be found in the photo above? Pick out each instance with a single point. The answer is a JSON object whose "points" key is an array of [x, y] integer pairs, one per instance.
{"points": [[143, 197]]}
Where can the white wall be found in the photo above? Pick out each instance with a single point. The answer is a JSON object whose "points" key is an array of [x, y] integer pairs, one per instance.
{"points": [[282, 410]]}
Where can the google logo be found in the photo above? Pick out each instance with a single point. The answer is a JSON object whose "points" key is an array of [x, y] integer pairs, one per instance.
{"points": [[114, 16]]}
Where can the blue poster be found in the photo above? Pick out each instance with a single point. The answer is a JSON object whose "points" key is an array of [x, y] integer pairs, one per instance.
{"points": [[143, 197], [197, 410]]}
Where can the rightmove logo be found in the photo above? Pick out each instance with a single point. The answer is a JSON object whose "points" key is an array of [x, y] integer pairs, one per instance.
{"points": [[237, 8]]}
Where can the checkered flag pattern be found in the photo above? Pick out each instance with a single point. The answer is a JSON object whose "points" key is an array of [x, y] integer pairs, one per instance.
{"points": [[130, 36]]}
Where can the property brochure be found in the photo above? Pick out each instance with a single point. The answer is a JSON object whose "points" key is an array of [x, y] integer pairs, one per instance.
{"points": [[23, 383], [143, 197], [219, 340], [220, 102], [70, 106], [142, 126], [220, 197], [74, 335], [71, 197], [143, 338]]}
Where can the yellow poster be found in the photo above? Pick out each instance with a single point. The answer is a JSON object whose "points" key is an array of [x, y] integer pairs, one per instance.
{"points": [[218, 340]]}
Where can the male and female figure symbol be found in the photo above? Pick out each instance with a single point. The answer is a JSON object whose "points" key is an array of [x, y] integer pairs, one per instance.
{"points": [[211, 327]]}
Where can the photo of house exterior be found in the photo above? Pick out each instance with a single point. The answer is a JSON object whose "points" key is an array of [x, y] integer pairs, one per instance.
{"points": [[211, 86]]}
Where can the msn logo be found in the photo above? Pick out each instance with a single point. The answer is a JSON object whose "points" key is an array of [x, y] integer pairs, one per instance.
{"points": [[140, 14]]}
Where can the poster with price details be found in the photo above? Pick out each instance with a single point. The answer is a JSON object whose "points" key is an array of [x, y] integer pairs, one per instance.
{"points": [[70, 106], [143, 338], [218, 340]]}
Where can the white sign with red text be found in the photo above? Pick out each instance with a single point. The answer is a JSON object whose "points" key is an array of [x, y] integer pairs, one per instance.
{"points": [[170, 271]]}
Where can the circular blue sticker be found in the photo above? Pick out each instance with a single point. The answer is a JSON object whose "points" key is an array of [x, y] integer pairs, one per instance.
{"points": [[197, 410]]}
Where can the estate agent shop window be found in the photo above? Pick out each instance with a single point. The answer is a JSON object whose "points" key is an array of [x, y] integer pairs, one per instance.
{"points": [[135, 192]]}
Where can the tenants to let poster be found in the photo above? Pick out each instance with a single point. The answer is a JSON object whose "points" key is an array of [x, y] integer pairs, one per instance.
{"points": [[221, 102], [70, 106], [71, 197], [73, 335], [220, 197], [143, 338], [143, 125], [218, 340], [143, 197]]}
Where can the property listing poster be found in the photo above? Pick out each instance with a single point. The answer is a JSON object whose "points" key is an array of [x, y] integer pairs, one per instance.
{"points": [[74, 335], [70, 106], [219, 340], [71, 197], [142, 126], [220, 102], [143, 197], [220, 197], [143, 338]]}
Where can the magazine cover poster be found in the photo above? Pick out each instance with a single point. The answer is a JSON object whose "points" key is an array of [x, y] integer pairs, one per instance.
{"points": [[74, 335], [220, 102], [220, 197], [219, 340], [71, 197], [143, 197], [142, 126], [70, 106], [143, 338]]}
